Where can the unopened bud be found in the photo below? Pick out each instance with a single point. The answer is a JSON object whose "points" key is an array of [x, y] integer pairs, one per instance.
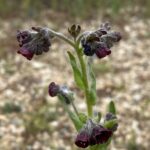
{"points": [[74, 30]]}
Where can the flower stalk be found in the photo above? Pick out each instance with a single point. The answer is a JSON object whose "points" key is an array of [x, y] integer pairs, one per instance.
{"points": [[85, 79]]}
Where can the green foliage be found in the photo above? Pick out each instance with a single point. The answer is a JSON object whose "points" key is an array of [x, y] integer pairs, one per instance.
{"points": [[111, 108], [76, 8], [76, 72], [110, 124]]}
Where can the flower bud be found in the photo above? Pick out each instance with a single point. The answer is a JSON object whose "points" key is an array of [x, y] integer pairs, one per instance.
{"points": [[74, 30], [53, 89]]}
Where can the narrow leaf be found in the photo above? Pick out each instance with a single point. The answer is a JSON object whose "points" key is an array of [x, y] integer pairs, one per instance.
{"points": [[76, 72], [110, 124], [111, 108]]}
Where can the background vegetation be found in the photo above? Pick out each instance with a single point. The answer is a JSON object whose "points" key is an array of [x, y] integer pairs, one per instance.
{"points": [[74, 8]]}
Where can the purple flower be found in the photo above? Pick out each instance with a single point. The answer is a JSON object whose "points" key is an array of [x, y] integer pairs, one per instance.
{"points": [[100, 135], [102, 52], [100, 41], [23, 37], [88, 51], [26, 53], [53, 89], [33, 42], [82, 139]]}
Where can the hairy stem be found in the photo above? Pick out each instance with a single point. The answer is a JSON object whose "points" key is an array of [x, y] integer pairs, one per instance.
{"points": [[85, 80], [63, 37], [74, 107]]}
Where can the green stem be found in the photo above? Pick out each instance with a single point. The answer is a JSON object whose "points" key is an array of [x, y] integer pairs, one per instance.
{"points": [[74, 107], [85, 80], [63, 37], [73, 116]]}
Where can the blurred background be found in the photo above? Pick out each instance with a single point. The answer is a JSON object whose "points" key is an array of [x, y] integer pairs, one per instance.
{"points": [[29, 118]]}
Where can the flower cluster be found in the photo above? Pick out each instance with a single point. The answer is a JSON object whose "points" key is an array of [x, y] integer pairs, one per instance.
{"points": [[92, 134], [33, 42], [100, 41]]}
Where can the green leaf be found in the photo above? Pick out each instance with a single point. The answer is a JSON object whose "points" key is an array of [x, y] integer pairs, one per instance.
{"points": [[111, 108], [92, 92], [76, 121], [76, 72], [110, 124]]}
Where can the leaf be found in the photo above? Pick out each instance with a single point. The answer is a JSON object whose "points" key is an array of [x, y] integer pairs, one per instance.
{"points": [[76, 72], [92, 92], [76, 121], [110, 124], [111, 108]]}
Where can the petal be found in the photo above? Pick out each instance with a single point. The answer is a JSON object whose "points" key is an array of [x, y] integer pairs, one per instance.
{"points": [[26, 53]]}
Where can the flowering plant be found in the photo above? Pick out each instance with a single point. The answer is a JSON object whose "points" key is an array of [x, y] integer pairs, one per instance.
{"points": [[93, 132]]}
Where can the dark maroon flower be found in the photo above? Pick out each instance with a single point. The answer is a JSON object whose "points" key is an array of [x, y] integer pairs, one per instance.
{"points": [[53, 89], [82, 139], [23, 37], [100, 135], [102, 52], [26, 53], [34, 42]]}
